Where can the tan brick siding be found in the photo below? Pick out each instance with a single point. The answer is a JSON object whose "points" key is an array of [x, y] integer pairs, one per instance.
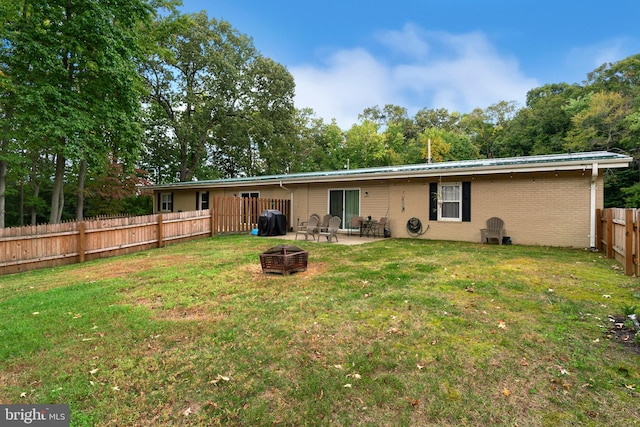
{"points": [[537, 208]]}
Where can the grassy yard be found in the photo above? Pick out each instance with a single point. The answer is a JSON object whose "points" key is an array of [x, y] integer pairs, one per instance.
{"points": [[389, 333]]}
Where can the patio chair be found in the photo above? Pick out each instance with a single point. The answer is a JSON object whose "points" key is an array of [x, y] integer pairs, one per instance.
{"points": [[356, 223], [303, 225], [324, 224], [309, 228], [332, 230], [494, 230], [377, 226]]}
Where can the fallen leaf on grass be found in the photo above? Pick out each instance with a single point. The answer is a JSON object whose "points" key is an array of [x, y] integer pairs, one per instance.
{"points": [[93, 371], [23, 394], [186, 412], [630, 386], [35, 313], [506, 392], [218, 378], [420, 367], [347, 386], [502, 324], [524, 362]]}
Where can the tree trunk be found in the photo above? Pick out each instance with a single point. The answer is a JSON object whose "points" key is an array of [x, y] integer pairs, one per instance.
{"points": [[82, 173], [34, 211], [57, 195], [21, 220]]}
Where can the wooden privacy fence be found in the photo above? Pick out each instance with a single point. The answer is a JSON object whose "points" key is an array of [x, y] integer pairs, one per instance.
{"points": [[619, 237], [49, 245]]}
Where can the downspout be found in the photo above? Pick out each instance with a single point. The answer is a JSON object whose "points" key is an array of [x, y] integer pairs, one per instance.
{"points": [[291, 202], [593, 207]]}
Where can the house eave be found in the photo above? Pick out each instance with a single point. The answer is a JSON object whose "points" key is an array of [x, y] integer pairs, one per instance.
{"points": [[535, 164]]}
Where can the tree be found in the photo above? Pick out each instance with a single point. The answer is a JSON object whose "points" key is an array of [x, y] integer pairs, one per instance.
{"points": [[73, 82], [214, 100], [364, 146], [598, 121]]}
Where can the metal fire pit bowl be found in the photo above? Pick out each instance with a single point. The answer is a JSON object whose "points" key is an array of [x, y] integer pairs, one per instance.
{"points": [[284, 259]]}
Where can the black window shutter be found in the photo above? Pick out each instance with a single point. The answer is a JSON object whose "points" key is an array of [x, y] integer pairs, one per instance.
{"points": [[159, 202], [171, 208], [197, 200], [466, 201], [433, 201]]}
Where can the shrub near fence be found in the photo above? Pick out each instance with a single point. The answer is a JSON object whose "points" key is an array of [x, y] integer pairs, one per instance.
{"points": [[619, 237], [50, 245]]}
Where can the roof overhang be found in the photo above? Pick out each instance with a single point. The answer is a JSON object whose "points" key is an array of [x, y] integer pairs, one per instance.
{"points": [[509, 165]]}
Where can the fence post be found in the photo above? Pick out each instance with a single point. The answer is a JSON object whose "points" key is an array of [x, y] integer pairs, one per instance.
{"points": [[160, 227], [609, 225], [81, 241], [636, 242], [212, 223], [598, 229], [628, 242]]}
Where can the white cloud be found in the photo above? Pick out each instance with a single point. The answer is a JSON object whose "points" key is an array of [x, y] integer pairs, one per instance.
{"points": [[409, 41], [436, 70], [349, 82]]}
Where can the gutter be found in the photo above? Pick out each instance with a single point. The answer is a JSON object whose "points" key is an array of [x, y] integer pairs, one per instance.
{"points": [[592, 207], [550, 163]]}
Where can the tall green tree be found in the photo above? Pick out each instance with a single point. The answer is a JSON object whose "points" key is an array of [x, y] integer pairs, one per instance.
{"points": [[599, 121], [215, 101], [73, 82]]}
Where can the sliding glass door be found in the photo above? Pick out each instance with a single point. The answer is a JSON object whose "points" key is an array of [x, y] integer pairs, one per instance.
{"points": [[344, 203]]}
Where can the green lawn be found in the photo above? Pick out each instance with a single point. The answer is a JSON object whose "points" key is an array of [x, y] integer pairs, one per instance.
{"points": [[392, 332]]}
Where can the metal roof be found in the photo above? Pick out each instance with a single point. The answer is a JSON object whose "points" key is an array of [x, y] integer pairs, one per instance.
{"points": [[569, 161]]}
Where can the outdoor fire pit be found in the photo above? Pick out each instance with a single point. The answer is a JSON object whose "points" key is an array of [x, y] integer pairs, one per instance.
{"points": [[284, 259]]}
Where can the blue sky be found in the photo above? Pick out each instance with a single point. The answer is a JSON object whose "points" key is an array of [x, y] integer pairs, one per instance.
{"points": [[346, 55]]}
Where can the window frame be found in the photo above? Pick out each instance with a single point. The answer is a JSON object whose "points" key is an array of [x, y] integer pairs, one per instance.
{"points": [[166, 202], [441, 201], [344, 210], [203, 200]]}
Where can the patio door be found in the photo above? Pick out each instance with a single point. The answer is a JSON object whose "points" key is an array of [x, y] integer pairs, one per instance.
{"points": [[344, 204]]}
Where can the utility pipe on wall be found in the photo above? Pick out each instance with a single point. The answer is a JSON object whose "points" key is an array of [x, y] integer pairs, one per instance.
{"points": [[593, 207]]}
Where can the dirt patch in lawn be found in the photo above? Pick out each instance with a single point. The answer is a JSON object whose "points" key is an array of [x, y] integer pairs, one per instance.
{"points": [[313, 269], [623, 334]]}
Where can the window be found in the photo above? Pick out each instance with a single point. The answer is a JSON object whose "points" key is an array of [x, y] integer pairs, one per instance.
{"points": [[450, 201], [202, 200], [166, 202]]}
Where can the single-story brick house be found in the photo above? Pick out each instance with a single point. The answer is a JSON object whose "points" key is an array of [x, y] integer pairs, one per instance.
{"points": [[543, 200]]}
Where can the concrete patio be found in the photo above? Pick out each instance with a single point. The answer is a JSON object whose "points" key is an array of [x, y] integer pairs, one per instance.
{"points": [[343, 238]]}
